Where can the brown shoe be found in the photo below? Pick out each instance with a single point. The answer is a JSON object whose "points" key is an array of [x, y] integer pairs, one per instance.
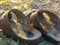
{"points": [[48, 23], [13, 24]]}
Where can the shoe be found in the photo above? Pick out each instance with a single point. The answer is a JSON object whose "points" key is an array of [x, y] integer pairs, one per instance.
{"points": [[48, 23], [12, 23]]}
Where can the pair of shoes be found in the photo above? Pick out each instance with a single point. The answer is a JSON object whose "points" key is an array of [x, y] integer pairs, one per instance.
{"points": [[48, 23], [14, 24]]}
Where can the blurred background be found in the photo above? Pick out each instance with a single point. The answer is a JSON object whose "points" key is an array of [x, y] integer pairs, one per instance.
{"points": [[24, 5]]}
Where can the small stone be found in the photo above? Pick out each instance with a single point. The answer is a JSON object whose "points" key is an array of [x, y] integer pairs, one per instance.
{"points": [[58, 0], [48, 1], [0, 30], [58, 35], [55, 7]]}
